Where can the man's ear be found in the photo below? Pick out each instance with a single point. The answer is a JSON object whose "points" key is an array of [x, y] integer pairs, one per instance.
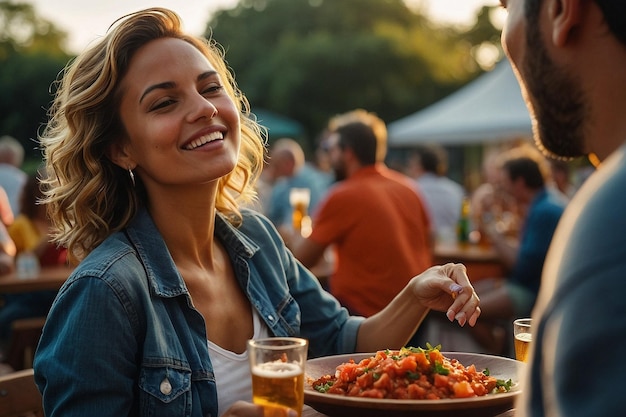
{"points": [[119, 155], [564, 16]]}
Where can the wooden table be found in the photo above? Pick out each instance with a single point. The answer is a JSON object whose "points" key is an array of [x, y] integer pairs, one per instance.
{"points": [[311, 412], [49, 278], [481, 261]]}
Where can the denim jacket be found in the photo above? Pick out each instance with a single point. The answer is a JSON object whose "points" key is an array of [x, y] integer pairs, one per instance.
{"points": [[123, 339]]}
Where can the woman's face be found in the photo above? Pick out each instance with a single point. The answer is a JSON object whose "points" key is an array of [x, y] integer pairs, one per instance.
{"points": [[182, 127]]}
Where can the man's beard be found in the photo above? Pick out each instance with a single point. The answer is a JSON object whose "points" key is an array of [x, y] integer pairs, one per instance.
{"points": [[557, 101]]}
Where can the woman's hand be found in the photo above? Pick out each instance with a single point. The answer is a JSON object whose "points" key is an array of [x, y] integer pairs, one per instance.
{"points": [[246, 409], [447, 288]]}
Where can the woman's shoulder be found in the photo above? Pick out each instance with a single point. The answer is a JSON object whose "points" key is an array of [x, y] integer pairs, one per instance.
{"points": [[113, 259]]}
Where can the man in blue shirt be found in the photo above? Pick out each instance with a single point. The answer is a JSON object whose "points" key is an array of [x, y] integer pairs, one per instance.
{"points": [[523, 176]]}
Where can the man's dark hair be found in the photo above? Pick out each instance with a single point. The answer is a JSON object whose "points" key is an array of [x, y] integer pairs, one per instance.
{"points": [[614, 12], [526, 168], [433, 159], [360, 138], [363, 132]]}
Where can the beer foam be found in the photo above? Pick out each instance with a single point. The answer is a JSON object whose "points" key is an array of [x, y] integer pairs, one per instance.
{"points": [[277, 370]]}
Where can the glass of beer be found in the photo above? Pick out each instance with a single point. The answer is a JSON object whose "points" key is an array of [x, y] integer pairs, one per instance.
{"points": [[299, 198], [277, 367], [523, 337]]}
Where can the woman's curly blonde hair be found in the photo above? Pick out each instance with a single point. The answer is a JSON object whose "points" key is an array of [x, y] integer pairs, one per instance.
{"points": [[88, 196]]}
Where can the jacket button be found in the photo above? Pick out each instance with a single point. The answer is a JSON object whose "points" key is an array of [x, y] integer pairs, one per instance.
{"points": [[270, 317], [165, 387]]}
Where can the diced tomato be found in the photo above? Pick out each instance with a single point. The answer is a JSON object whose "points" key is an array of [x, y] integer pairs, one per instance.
{"points": [[479, 389], [415, 392], [422, 362], [463, 389], [436, 356], [373, 393], [407, 364], [440, 381], [384, 382], [348, 371], [365, 380]]}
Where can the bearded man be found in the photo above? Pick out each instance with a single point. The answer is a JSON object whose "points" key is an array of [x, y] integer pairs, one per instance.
{"points": [[570, 59]]}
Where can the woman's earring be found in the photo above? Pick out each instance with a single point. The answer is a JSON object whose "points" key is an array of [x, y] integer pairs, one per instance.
{"points": [[132, 176]]}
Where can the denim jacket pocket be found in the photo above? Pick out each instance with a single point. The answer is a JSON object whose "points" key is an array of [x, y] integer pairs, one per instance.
{"points": [[165, 391]]}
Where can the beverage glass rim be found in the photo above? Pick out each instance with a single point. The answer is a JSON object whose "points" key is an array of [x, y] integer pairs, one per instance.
{"points": [[278, 343], [523, 322]]}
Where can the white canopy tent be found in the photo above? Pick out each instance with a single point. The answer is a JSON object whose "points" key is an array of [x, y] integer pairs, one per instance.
{"points": [[489, 109]]}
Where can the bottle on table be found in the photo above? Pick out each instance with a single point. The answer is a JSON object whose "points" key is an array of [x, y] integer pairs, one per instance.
{"points": [[464, 225], [27, 265]]}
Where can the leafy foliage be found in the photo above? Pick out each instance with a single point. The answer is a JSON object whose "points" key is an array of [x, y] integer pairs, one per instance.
{"points": [[311, 59], [305, 59], [31, 55]]}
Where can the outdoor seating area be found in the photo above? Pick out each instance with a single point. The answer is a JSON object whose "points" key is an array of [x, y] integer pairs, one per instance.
{"points": [[312, 208]]}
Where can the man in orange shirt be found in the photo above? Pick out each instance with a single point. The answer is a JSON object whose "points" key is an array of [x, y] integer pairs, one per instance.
{"points": [[373, 218]]}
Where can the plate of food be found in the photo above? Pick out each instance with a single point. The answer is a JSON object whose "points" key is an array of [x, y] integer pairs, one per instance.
{"points": [[410, 382]]}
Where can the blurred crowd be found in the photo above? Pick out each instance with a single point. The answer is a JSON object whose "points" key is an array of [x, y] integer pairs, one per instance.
{"points": [[24, 233], [514, 211], [359, 213]]}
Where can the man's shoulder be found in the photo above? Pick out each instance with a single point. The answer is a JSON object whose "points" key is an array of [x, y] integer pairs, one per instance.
{"points": [[603, 194]]}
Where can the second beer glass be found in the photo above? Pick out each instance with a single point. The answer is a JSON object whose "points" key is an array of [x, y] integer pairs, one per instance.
{"points": [[523, 337]]}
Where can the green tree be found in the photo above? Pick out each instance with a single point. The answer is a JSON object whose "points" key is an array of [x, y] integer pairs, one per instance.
{"points": [[31, 56], [311, 59]]}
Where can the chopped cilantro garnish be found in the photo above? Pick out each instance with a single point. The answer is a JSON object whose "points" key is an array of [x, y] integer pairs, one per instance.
{"points": [[413, 375], [501, 383], [324, 387], [438, 368]]}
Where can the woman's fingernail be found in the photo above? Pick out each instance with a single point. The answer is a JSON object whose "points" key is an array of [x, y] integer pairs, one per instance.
{"points": [[450, 315], [456, 288]]}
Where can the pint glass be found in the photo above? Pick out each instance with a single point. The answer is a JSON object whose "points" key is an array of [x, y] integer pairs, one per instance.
{"points": [[277, 367]]}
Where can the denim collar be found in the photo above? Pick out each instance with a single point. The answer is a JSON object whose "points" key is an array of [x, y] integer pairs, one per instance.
{"points": [[163, 276]]}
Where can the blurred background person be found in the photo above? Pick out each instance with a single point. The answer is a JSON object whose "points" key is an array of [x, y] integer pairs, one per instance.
{"points": [[525, 177], [7, 257], [490, 205], [30, 230], [562, 177], [287, 169], [6, 212], [372, 217], [442, 196], [30, 233], [7, 253], [12, 177]]}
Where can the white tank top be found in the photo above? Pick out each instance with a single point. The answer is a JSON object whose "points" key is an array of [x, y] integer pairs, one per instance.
{"points": [[232, 370]]}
